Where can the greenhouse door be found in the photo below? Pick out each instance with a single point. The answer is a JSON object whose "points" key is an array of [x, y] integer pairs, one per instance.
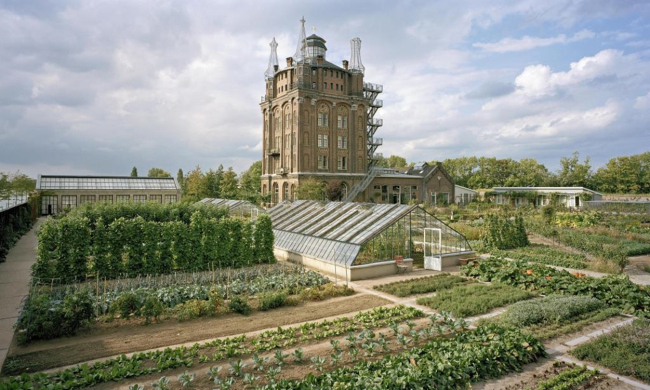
{"points": [[433, 249]]}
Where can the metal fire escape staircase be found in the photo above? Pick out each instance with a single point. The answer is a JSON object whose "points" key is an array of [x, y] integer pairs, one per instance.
{"points": [[370, 92]]}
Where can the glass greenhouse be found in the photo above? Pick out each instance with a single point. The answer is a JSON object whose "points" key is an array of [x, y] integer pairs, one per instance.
{"points": [[242, 208], [348, 233]]}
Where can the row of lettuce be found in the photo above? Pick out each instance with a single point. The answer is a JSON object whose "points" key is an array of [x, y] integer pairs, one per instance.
{"points": [[109, 241]]}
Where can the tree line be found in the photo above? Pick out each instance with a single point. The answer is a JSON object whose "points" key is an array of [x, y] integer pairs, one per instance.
{"points": [[624, 174]]}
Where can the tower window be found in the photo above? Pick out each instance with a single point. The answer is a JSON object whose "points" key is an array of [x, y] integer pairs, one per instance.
{"points": [[342, 142], [323, 141], [331, 85], [342, 122], [342, 163], [323, 119], [313, 85], [332, 73], [322, 162], [324, 85], [313, 72]]}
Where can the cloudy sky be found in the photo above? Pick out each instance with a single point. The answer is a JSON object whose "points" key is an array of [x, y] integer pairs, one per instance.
{"points": [[96, 87]]}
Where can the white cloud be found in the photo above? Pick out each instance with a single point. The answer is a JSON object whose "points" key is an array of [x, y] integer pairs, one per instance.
{"points": [[527, 42], [642, 102]]}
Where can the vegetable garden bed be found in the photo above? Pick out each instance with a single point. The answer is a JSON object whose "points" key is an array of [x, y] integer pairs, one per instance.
{"points": [[474, 299], [625, 350], [423, 285], [545, 254], [615, 291], [158, 361]]}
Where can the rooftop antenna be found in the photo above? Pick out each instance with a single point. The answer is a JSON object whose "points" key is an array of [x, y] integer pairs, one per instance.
{"points": [[355, 57], [302, 44], [273, 60]]}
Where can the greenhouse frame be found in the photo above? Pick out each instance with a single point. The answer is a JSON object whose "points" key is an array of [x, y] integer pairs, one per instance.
{"points": [[362, 240], [241, 208]]}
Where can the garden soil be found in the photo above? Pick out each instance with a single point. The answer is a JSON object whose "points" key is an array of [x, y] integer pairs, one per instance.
{"points": [[104, 341]]}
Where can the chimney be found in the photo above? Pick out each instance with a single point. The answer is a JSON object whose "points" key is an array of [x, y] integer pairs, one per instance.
{"points": [[345, 64], [275, 68], [289, 62], [319, 60]]}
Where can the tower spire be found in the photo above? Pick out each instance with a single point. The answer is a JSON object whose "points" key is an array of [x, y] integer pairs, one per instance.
{"points": [[355, 56], [300, 48], [273, 60]]}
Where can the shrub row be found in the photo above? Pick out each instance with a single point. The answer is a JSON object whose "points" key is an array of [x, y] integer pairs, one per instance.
{"points": [[13, 224], [614, 290], [153, 212], [69, 249]]}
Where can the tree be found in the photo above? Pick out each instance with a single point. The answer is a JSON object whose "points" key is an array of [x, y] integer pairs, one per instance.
{"points": [[310, 189], [229, 185], [625, 174], [249, 183], [213, 182], [5, 186], [574, 174], [334, 190], [195, 185], [157, 172], [396, 162], [134, 172], [179, 179]]}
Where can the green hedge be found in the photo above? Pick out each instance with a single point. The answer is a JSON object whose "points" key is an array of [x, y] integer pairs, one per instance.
{"points": [[72, 247], [13, 224]]}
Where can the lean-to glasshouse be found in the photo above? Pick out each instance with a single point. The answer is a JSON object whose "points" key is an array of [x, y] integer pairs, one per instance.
{"points": [[242, 208], [363, 240]]}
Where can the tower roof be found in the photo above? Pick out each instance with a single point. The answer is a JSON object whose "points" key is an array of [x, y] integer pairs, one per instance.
{"points": [[315, 40], [273, 60]]}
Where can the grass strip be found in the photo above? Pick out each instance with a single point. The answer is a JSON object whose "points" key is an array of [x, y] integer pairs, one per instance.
{"points": [[474, 299], [423, 285]]}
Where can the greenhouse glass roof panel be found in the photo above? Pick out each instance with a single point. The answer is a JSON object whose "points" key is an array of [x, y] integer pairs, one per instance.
{"points": [[46, 182]]}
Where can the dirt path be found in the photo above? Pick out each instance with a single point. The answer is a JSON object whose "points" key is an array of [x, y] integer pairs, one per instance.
{"points": [[126, 339]]}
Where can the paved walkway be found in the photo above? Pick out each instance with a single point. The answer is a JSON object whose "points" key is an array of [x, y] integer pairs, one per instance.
{"points": [[15, 275]]}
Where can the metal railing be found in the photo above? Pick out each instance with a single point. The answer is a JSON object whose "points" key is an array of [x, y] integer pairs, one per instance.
{"points": [[373, 87], [377, 103]]}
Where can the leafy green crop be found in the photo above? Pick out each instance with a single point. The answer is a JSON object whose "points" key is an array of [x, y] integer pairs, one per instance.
{"points": [[144, 363], [488, 352], [614, 290]]}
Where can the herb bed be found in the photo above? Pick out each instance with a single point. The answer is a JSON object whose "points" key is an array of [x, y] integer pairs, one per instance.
{"points": [[474, 299], [423, 285]]}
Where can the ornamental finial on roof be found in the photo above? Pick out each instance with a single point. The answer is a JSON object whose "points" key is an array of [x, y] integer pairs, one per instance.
{"points": [[273, 60], [300, 48], [355, 57]]}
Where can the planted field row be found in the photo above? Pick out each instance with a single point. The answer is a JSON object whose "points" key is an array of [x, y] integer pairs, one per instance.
{"points": [[625, 350], [565, 376], [158, 361], [545, 255], [70, 248], [366, 345], [61, 311], [615, 291], [423, 285], [553, 315], [474, 299], [486, 352]]}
